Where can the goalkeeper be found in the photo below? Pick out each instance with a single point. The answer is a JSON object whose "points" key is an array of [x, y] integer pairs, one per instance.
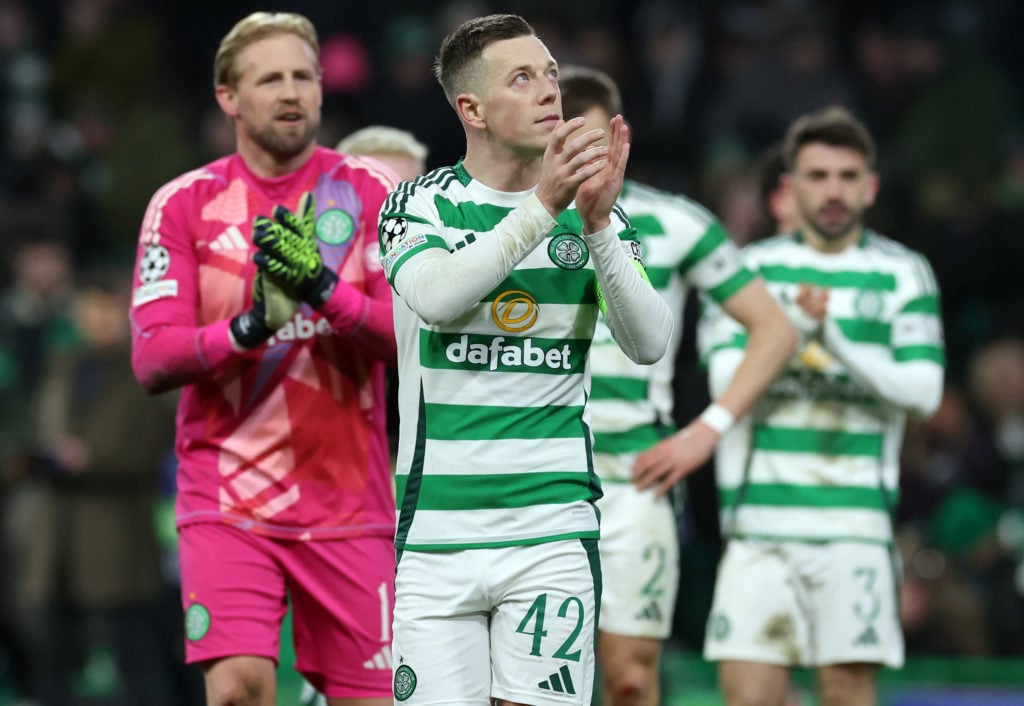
{"points": [[259, 293]]}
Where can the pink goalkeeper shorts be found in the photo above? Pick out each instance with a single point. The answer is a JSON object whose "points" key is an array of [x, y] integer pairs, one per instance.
{"points": [[235, 588]]}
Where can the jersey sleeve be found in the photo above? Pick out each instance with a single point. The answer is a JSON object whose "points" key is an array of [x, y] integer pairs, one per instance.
{"points": [[908, 369], [169, 349], [714, 265], [638, 318], [440, 285]]}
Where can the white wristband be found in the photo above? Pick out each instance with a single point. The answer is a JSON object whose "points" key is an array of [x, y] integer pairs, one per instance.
{"points": [[718, 418]]}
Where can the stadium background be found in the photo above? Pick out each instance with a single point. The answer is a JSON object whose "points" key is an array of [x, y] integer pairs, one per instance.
{"points": [[105, 100]]}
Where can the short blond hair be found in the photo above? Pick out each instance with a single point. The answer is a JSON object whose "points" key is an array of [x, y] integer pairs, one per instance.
{"points": [[380, 139], [257, 26]]}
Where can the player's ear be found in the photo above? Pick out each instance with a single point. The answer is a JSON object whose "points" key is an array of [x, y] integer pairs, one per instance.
{"points": [[470, 110], [227, 99], [872, 189]]}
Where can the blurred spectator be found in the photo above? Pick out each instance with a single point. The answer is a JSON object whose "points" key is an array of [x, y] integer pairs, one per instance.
{"points": [[33, 323], [92, 582], [24, 110]]}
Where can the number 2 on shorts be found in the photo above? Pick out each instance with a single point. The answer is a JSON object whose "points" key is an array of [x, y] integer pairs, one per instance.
{"points": [[533, 624]]}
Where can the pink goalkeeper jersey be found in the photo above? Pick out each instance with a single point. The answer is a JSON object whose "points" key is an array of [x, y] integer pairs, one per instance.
{"points": [[287, 439]]}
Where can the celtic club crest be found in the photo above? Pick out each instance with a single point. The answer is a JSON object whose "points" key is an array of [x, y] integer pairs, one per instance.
{"points": [[405, 682], [334, 227], [568, 251]]}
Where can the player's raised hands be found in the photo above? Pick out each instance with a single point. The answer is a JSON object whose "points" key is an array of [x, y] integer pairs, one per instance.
{"points": [[597, 194], [289, 253], [569, 160]]}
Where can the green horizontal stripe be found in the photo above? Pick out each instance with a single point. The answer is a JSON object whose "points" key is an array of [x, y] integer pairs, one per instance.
{"points": [[713, 237], [832, 280], [631, 440], [732, 285], [647, 224], [499, 491], [588, 534], [550, 285], [606, 387], [468, 215], [828, 442], [433, 241], [659, 276], [480, 352], [928, 304], [865, 330], [570, 219], [454, 422], [812, 496], [907, 353], [823, 539]]}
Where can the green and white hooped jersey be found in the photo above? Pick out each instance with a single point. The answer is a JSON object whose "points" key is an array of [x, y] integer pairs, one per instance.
{"points": [[818, 457], [494, 440], [684, 245]]}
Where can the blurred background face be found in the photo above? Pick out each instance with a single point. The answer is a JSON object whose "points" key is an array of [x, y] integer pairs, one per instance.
{"points": [[833, 187], [597, 119], [101, 319]]}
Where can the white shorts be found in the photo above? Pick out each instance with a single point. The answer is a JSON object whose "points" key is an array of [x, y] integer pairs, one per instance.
{"points": [[639, 562], [808, 605], [513, 623]]}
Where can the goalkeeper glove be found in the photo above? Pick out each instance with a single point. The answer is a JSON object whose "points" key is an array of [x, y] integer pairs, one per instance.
{"points": [[289, 252], [271, 309]]}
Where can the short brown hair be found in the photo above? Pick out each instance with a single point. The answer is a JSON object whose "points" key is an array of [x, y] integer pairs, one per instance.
{"points": [[584, 88], [257, 26], [835, 126], [460, 49]]}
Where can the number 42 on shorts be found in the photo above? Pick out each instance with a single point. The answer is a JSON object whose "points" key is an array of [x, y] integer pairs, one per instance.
{"points": [[533, 624]]}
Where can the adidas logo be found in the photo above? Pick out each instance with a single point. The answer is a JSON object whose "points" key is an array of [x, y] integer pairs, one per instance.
{"points": [[650, 612], [381, 660], [231, 239], [560, 682], [867, 638]]}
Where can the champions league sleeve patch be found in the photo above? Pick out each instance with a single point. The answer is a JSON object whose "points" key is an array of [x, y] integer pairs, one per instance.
{"points": [[392, 231], [154, 264]]}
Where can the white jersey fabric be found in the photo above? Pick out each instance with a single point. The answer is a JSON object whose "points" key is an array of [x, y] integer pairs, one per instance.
{"points": [[495, 441], [683, 246], [817, 459]]}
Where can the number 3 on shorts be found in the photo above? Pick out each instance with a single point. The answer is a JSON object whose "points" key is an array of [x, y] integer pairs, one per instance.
{"points": [[533, 624]]}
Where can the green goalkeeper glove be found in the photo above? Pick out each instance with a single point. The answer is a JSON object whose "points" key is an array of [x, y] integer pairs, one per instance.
{"points": [[271, 309], [288, 251]]}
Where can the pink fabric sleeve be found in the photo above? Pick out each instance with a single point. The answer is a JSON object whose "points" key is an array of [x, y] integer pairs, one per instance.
{"points": [[169, 349], [364, 318], [166, 357]]}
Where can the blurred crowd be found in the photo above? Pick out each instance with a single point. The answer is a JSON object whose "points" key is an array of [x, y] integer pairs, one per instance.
{"points": [[102, 101]]}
